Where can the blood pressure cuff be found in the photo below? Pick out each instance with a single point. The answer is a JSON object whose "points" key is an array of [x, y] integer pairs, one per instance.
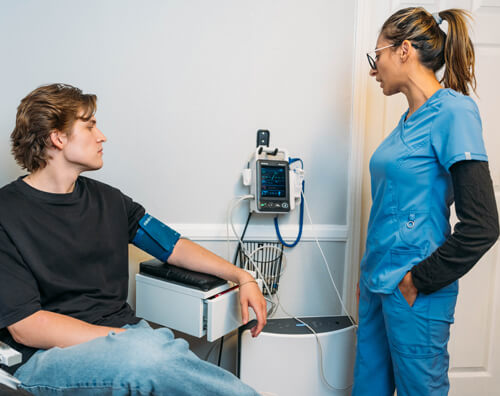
{"points": [[155, 238]]}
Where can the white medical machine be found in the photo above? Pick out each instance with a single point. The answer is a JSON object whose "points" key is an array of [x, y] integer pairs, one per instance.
{"points": [[215, 311], [198, 309], [8, 357], [274, 186], [291, 356], [285, 359]]}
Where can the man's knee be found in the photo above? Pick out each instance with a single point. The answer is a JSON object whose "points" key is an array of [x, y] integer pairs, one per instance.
{"points": [[145, 348]]}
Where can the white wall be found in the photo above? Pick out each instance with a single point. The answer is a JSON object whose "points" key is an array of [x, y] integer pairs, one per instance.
{"points": [[182, 88], [184, 85]]}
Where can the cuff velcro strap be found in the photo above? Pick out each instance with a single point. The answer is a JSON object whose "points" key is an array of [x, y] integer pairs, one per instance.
{"points": [[155, 238]]}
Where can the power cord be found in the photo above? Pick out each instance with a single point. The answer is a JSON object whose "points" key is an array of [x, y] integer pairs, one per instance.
{"points": [[274, 305], [235, 258], [320, 349], [325, 261], [242, 247]]}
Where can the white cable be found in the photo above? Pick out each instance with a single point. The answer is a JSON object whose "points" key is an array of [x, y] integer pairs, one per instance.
{"points": [[230, 208], [274, 307], [320, 348], [326, 262], [266, 285], [283, 259], [278, 304], [242, 246]]}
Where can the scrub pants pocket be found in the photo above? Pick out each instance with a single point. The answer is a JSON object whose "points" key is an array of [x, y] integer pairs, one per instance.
{"points": [[418, 338]]}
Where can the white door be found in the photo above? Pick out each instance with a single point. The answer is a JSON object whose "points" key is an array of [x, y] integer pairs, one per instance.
{"points": [[475, 337]]}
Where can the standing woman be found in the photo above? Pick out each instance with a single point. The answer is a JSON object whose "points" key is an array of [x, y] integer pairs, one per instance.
{"points": [[434, 156]]}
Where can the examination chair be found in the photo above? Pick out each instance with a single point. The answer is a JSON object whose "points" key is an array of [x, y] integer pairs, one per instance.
{"points": [[9, 385]]}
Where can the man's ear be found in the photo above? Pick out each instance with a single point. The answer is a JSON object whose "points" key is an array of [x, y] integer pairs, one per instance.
{"points": [[58, 139]]}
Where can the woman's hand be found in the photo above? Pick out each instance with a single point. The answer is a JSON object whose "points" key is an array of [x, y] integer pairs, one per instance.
{"points": [[408, 289]]}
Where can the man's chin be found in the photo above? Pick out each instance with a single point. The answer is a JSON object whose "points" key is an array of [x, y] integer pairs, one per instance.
{"points": [[94, 167]]}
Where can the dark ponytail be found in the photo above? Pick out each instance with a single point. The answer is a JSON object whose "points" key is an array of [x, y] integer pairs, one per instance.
{"points": [[434, 47], [459, 53]]}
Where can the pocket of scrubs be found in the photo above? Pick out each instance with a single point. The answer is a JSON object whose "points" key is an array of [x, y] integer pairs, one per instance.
{"points": [[401, 262], [420, 331], [412, 230], [399, 294], [442, 305]]}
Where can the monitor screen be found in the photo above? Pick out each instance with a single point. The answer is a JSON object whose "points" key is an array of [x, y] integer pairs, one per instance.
{"points": [[273, 181]]}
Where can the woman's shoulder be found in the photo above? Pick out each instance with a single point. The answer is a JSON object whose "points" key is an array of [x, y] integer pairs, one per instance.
{"points": [[455, 102], [453, 108]]}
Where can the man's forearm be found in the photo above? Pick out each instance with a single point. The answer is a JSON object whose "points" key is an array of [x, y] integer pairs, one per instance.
{"points": [[194, 257], [45, 330]]}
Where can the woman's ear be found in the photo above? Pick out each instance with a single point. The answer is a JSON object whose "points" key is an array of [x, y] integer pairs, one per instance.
{"points": [[58, 139], [405, 50]]}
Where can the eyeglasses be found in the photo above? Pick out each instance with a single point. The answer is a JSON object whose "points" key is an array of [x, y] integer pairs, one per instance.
{"points": [[371, 61]]}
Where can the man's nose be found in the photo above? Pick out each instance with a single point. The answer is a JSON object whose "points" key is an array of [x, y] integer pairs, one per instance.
{"points": [[101, 136]]}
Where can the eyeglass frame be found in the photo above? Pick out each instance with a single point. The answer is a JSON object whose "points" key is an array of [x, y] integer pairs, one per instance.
{"points": [[372, 62]]}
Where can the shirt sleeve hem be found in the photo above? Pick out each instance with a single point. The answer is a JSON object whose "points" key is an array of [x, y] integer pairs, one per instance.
{"points": [[464, 157], [17, 316]]}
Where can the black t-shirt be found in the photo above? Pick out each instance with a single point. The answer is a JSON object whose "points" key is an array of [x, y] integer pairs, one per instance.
{"points": [[65, 253]]}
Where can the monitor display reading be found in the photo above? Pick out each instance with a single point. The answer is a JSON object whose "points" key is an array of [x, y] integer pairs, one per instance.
{"points": [[273, 182]]}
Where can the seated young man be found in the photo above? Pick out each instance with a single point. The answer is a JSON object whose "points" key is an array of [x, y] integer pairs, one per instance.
{"points": [[64, 268]]}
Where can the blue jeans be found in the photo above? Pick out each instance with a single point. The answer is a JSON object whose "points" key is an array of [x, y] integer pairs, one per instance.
{"points": [[403, 347], [139, 361]]}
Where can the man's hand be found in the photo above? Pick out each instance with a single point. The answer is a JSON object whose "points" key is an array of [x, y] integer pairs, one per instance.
{"points": [[408, 289], [187, 254], [250, 295]]}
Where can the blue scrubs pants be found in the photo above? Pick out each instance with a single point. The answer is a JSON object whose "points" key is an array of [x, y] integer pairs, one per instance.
{"points": [[403, 347]]}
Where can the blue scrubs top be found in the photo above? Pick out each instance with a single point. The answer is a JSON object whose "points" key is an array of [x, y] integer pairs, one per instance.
{"points": [[411, 186]]}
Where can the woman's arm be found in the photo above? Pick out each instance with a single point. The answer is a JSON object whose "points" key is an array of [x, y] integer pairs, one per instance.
{"points": [[476, 231]]}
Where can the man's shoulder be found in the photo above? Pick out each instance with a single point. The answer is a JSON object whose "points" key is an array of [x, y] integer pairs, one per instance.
{"points": [[97, 186], [12, 199], [9, 191]]}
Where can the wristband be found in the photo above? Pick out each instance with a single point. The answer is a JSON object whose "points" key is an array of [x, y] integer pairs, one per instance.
{"points": [[250, 281]]}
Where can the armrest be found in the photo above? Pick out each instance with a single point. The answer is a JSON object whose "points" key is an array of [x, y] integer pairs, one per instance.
{"points": [[8, 382], [180, 275], [9, 356]]}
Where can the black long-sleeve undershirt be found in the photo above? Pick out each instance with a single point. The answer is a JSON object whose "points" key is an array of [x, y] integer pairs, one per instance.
{"points": [[476, 231]]}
